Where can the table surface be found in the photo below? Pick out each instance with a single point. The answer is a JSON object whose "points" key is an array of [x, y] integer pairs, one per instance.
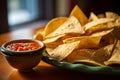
{"points": [[43, 71]]}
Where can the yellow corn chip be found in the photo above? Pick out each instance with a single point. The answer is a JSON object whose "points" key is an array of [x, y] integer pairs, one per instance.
{"points": [[92, 17], [63, 50], [72, 25], [78, 13], [85, 41], [53, 24]]}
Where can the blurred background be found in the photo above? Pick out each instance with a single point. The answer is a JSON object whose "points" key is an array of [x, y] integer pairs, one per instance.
{"points": [[17, 14]]}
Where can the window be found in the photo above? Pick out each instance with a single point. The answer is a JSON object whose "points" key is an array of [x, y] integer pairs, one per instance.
{"points": [[21, 11]]}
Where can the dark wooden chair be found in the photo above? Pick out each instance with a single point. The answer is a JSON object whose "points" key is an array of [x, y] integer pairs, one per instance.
{"points": [[3, 17]]}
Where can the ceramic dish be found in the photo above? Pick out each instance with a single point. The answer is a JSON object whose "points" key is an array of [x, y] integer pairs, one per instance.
{"points": [[26, 59], [81, 67]]}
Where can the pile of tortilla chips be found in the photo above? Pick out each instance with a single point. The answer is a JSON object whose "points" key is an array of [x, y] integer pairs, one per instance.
{"points": [[78, 39]]}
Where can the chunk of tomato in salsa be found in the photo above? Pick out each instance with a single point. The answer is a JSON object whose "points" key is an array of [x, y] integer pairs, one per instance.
{"points": [[23, 46]]}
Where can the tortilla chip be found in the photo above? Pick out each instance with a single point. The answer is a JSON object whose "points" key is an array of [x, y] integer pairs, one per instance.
{"points": [[53, 24], [96, 29], [57, 40], [99, 28], [85, 41], [63, 50], [101, 55], [117, 22], [111, 15], [82, 56], [89, 56], [107, 37], [102, 33], [116, 32], [53, 39], [115, 58], [97, 22], [78, 13], [54, 44], [79, 55], [39, 35], [72, 25], [92, 17], [101, 16]]}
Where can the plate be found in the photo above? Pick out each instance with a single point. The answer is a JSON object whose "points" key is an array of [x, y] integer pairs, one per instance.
{"points": [[80, 67]]}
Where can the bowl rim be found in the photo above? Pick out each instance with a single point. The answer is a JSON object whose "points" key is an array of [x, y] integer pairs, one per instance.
{"points": [[21, 53]]}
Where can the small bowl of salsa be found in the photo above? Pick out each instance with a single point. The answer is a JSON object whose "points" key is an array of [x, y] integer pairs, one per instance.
{"points": [[23, 54]]}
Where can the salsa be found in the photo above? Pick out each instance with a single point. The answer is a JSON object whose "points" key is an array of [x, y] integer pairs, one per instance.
{"points": [[27, 46]]}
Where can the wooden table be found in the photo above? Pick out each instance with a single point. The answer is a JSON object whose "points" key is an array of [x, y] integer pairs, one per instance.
{"points": [[42, 71]]}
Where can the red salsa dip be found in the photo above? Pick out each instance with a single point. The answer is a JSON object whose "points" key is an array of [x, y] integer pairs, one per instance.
{"points": [[23, 46]]}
